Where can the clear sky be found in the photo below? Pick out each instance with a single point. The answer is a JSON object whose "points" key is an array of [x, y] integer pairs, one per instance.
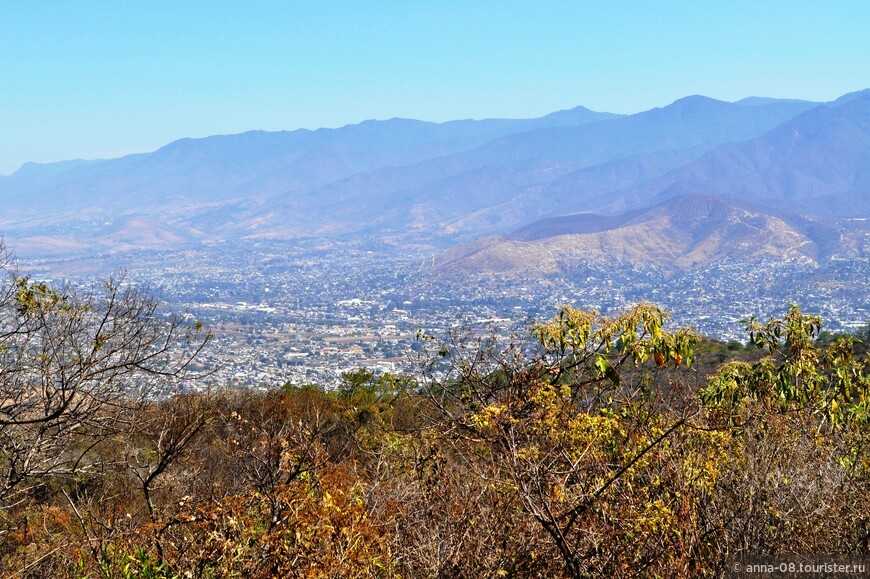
{"points": [[97, 79]]}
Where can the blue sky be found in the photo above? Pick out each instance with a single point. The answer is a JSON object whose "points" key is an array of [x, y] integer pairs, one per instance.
{"points": [[105, 78]]}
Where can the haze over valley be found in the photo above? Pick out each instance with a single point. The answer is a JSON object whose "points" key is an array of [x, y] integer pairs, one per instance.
{"points": [[691, 205]]}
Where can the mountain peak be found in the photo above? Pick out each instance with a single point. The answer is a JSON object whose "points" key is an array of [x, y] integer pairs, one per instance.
{"points": [[695, 101], [756, 101], [32, 169], [576, 116], [859, 94], [691, 106]]}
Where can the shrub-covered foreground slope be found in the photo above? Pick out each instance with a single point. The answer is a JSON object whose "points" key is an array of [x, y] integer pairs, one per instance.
{"points": [[592, 447]]}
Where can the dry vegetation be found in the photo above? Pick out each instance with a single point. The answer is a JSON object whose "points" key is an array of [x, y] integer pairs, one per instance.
{"points": [[593, 448]]}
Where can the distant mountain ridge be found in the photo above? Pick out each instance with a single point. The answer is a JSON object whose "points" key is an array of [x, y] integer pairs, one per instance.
{"points": [[447, 183], [440, 194], [817, 162]]}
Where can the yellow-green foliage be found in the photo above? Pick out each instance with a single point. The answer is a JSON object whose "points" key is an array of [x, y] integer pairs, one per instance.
{"points": [[597, 451]]}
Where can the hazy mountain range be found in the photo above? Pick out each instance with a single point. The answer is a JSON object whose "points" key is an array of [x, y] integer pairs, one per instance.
{"points": [[697, 180]]}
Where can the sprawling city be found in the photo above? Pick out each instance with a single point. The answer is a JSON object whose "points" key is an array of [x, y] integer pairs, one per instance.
{"points": [[308, 311]]}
